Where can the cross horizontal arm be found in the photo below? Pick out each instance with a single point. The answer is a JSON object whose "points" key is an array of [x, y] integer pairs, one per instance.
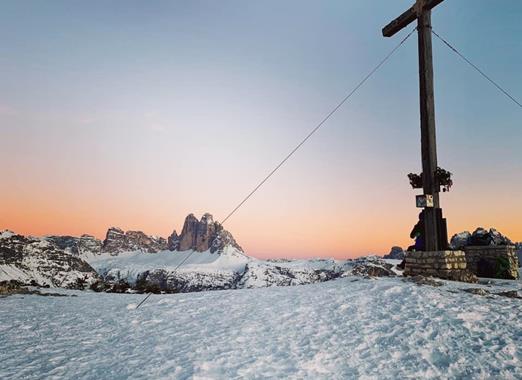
{"points": [[407, 18]]}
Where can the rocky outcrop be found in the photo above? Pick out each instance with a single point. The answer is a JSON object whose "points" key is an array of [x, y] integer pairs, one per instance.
{"points": [[396, 253], [114, 240], [222, 239], [38, 261], [14, 287], [488, 253], [173, 241], [480, 237], [194, 235], [460, 240], [424, 280], [283, 273], [198, 235], [117, 241], [85, 245], [202, 235], [372, 267], [518, 247]]}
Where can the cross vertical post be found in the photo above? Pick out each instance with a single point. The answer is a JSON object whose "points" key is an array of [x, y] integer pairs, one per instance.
{"points": [[421, 11], [428, 135]]}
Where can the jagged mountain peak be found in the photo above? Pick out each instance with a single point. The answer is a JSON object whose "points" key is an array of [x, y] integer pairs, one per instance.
{"points": [[207, 218], [196, 234], [199, 235], [117, 241], [202, 235]]}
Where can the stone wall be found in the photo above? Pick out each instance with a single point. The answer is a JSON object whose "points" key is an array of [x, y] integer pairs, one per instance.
{"points": [[450, 265], [493, 261]]}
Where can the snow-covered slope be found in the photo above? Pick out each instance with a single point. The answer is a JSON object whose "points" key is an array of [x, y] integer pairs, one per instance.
{"points": [[39, 261], [62, 261], [350, 328], [179, 271], [230, 269], [260, 273]]}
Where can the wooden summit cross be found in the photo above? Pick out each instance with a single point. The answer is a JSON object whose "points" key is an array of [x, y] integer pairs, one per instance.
{"points": [[435, 230]]}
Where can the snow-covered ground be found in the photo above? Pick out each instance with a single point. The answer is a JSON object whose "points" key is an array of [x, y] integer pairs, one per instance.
{"points": [[129, 264], [227, 270], [347, 328]]}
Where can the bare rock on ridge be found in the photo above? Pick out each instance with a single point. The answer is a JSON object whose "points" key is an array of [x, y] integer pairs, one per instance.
{"points": [[202, 235], [39, 261], [396, 253], [117, 241], [85, 245]]}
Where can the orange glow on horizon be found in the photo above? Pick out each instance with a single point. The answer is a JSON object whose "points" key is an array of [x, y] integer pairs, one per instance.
{"points": [[264, 236]]}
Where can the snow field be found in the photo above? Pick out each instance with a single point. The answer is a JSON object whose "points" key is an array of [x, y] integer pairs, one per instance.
{"points": [[341, 329]]}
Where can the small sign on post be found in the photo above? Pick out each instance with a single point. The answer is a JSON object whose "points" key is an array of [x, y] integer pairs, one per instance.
{"points": [[424, 201]]}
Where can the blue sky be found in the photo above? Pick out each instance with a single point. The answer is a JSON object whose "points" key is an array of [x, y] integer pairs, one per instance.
{"points": [[137, 113]]}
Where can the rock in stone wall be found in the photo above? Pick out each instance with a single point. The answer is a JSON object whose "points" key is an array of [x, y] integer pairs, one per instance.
{"points": [[491, 261], [449, 265]]}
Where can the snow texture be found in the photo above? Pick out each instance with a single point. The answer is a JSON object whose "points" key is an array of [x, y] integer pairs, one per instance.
{"points": [[130, 264], [212, 271], [343, 329]]}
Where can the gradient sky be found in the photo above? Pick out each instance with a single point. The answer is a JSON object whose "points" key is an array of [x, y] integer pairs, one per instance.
{"points": [[136, 113]]}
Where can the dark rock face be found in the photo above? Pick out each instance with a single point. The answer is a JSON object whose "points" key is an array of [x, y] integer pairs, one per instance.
{"points": [[38, 261], [114, 240], [117, 241], [159, 280], [77, 246], [12, 287], [189, 233], [173, 242], [202, 235], [372, 271], [519, 254], [396, 253], [424, 280], [372, 268], [199, 235], [221, 239], [480, 237], [477, 291], [460, 240]]}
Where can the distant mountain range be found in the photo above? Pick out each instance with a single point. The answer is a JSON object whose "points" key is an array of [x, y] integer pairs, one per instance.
{"points": [[198, 235], [204, 256]]}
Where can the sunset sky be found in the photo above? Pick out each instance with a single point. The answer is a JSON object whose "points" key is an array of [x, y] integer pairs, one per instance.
{"points": [[137, 113]]}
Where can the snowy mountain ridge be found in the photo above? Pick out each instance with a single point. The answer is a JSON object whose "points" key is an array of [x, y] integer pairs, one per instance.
{"points": [[39, 261], [60, 262], [197, 234], [229, 270]]}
